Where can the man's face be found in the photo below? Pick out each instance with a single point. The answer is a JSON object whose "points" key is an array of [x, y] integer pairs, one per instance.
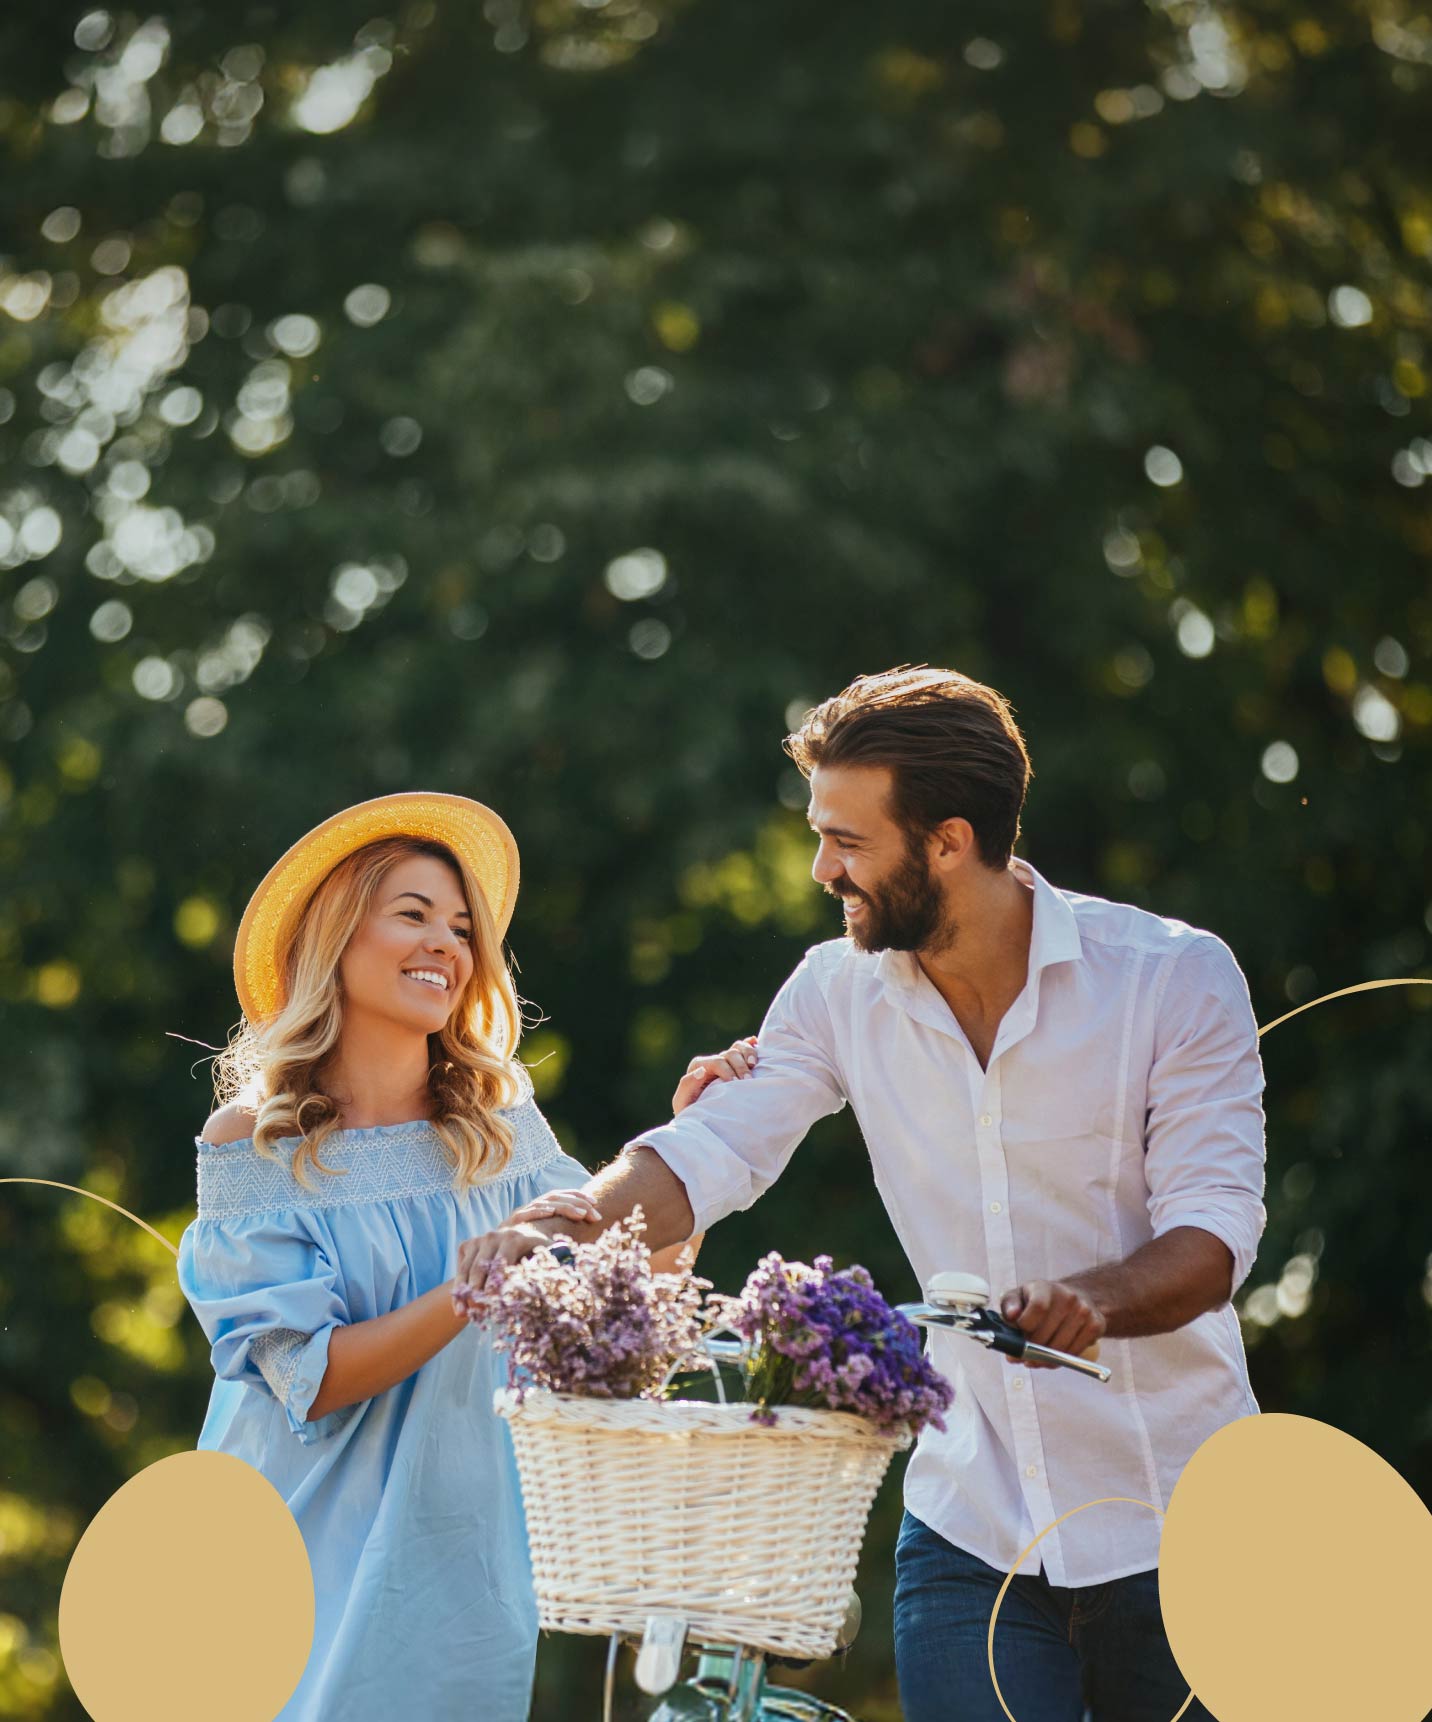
{"points": [[892, 901]]}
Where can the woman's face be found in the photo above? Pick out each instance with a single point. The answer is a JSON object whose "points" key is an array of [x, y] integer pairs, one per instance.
{"points": [[411, 956]]}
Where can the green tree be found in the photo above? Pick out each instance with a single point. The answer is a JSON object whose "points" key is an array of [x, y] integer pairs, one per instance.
{"points": [[545, 403]]}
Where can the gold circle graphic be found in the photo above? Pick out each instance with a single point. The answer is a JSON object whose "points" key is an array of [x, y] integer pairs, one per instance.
{"points": [[193, 1550], [1293, 1576], [1024, 1554]]}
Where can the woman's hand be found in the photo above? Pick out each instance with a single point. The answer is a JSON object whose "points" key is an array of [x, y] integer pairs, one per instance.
{"points": [[557, 1205], [507, 1243], [737, 1061], [533, 1226]]}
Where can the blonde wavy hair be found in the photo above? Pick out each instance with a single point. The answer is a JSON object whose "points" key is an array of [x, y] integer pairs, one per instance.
{"points": [[276, 1066]]}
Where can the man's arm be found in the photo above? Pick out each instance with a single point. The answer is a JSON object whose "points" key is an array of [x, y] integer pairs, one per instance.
{"points": [[638, 1177], [720, 1154], [1165, 1284], [1203, 1161], [1162, 1286]]}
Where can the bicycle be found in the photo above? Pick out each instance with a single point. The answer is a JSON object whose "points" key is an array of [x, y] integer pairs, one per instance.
{"points": [[730, 1681]]}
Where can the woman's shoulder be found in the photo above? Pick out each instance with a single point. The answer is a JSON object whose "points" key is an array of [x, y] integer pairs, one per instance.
{"points": [[379, 1163], [231, 1123], [235, 1122]]}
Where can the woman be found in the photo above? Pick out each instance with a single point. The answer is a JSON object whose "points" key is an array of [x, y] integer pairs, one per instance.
{"points": [[378, 1120]]}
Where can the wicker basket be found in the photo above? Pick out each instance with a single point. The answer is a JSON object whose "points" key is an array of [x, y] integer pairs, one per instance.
{"points": [[639, 1507]]}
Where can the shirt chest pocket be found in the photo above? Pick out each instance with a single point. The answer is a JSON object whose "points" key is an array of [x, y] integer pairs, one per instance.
{"points": [[1064, 1167], [1072, 1102]]}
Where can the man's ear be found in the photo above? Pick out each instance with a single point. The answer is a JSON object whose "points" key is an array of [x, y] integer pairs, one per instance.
{"points": [[951, 844]]}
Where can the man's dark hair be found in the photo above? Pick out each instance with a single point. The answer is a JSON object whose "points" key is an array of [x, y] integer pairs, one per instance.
{"points": [[951, 744]]}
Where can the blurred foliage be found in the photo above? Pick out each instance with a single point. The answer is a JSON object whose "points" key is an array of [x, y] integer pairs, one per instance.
{"points": [[545, 401]]}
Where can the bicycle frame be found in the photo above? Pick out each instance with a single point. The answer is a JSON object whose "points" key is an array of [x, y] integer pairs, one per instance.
{"points": [[730, 1685]]}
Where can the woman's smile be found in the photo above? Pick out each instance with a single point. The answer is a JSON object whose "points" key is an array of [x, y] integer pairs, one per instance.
{"points": [[434, 978]]}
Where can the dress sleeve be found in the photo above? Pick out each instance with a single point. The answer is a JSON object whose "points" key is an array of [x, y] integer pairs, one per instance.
{"points": [[1204, 1136], [268, 1297]]}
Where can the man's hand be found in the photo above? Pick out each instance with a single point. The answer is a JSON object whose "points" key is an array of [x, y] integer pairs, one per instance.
{"points": [[1054, 1314]]}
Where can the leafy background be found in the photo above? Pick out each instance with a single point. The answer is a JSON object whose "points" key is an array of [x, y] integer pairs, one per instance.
{"points": [[547, 401]]}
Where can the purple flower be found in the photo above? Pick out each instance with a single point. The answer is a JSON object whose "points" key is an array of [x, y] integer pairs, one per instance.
{"points": [[827, 1337], [603, 1325], [606, 1326]]}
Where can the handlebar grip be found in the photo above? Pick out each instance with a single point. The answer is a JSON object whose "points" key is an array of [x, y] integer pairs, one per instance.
{"points": [[1043, 1354]]}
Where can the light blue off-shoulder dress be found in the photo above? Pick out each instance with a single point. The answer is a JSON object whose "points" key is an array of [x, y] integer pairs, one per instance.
{"points": [[408, 1502]]}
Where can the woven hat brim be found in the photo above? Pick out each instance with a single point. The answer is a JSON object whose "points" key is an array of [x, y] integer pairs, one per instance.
{"points": [[473, 832]]}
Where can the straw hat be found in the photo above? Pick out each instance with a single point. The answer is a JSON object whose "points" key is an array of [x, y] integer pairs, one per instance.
{"points": [[473, 832]]}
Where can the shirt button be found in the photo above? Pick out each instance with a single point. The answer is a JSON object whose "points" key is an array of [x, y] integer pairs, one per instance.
{"points": [[995, 1208], [985, 1118], [1018, 1382], [1031, 1470]]}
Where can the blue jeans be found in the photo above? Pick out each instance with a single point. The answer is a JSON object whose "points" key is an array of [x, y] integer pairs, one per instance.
{"points": [[1060, 1654]]}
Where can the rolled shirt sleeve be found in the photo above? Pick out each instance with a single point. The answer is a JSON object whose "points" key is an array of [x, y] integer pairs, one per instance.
{"points": [[1204, 1136], [268, 1298], [731, 1145]]}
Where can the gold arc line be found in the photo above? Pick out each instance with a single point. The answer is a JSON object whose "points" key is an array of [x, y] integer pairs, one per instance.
{"points": [[76, 1191], [1009, 1577], [1342, 993]]}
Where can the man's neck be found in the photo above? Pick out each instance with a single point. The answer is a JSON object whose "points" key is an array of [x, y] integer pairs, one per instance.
{"points": [[982, 973]]}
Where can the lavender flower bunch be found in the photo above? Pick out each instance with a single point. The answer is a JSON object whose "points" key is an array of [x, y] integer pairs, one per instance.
{"points": [[828, 1338], [603, 1325]]}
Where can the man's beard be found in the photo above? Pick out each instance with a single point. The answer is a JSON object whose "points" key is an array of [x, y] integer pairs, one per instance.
{"points": [[907, 913]]}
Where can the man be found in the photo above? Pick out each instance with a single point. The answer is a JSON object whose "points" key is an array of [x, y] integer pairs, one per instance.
{"points": [[1059, 1093]]}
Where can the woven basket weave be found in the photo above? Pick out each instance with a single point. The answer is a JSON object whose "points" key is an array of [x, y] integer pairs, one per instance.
{"points": [[637, 1507]]}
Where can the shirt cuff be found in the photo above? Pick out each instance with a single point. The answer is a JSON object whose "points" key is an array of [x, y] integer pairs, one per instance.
{"points": [[717, 1182], [1226, 1231]]}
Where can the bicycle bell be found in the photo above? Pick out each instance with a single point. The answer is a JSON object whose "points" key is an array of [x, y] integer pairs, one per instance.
{"points": [[951, 1300], [957, 1291]]}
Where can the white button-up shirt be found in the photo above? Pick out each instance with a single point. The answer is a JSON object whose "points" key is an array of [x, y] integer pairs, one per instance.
{"points": [[1121, 1099]]}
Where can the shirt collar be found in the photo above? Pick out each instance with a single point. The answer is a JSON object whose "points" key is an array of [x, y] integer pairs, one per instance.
{"points": [[1054, 936]]}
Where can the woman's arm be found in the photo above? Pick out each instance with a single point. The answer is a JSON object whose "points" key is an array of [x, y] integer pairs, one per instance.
{"points": [[368, 1357]]}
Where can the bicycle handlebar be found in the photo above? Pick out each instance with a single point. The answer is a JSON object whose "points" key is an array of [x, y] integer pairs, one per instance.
{"points": [[961, 1302]]}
